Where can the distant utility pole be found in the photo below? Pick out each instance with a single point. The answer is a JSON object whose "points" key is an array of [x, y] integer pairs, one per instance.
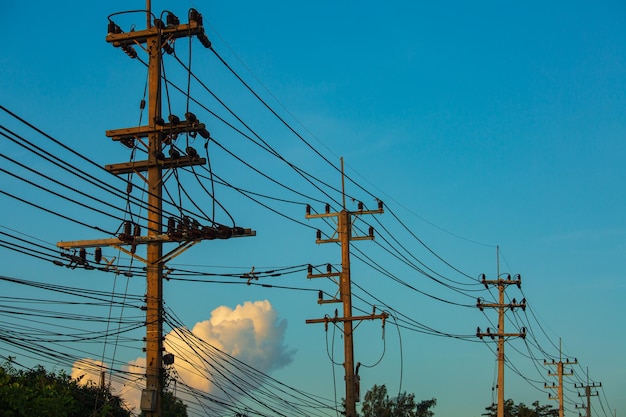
{"points": [[343, 236], [185, 232], [588, 393], [559, 373], [501, 306]]}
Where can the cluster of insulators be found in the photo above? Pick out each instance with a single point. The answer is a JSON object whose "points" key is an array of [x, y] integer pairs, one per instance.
{"points": [[81, 258], [131, 230], [329, 269], [488, 333], [517, 280], [171, 22], [190, 120], [128, 49], [190, 229], [511, 305], [195, 16], [359, 205]]}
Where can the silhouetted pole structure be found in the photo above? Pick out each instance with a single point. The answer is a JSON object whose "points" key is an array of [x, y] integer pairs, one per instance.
{"points": [[184, 232], [559, 374], [344, 236], [501, 306], [588, 393]]}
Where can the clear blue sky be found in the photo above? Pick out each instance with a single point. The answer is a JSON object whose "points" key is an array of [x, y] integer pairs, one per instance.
{"points": [[479, 125]]}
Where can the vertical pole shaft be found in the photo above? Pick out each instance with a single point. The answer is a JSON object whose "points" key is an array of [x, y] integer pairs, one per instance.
{"points": [[343, 186], [560, 372], [501, 349], [345, 233], [154, 272], [588, 393]]}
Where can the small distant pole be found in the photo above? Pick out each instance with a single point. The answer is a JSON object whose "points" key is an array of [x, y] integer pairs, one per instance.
{"points": [[559, 374]]}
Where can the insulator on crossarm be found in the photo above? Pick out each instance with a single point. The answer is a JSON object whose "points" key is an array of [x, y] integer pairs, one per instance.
{"points": [[204, 133], [371, 232], [318, 234], [523, 304], [320, 296], [168, 48], [479, 304], [173, 119], [309, 269], [191, 118], [98, 255], [195, 16], [204, 40], [327, 208], [171, 226], [82, 254], [478, 333], [158, 23], [127, 230], [174, 154], [224, 232], [360, 205], [209, 232], [380, 204], [523, 335], [308, 209], [172, 19], [130, 51], [192, 152], [329, 268], [113, 28], [137, 230]]}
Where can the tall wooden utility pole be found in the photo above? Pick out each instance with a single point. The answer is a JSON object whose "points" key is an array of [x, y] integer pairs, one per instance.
{"points": [[559, 374], [343, 236], [501, 306], [588, 393], [158, 37]]}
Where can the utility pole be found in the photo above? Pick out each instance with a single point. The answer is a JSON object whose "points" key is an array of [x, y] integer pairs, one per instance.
{"points": [[184, 232], [588, 393], [559, 373], [501, 306], [344, 236]]}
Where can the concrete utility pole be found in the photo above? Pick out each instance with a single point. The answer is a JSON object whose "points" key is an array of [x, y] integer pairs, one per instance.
{"points": [[158, 37], [588, 393], [559, 373], [501, 306], [343, 236]]}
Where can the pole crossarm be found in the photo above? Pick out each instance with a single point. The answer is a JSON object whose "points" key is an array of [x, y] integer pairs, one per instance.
{"points": [[116, 241], [141, 36], [336, 319], [480, 334], [166, 163], [173, 128]]}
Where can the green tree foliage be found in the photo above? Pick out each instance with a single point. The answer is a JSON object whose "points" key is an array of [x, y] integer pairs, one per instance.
{"points": [[521, 410], [377, 403], [37, 392]]}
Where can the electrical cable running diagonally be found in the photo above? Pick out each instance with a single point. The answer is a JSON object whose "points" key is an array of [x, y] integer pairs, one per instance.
{"points": [[236, 385]]}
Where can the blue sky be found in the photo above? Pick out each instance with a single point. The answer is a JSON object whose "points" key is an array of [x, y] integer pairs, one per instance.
{"points": [[480, 126]]}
